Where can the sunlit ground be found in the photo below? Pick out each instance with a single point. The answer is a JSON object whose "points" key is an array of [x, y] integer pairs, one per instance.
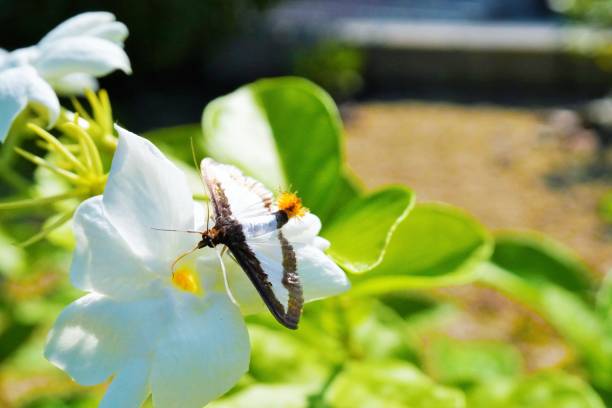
{"points": [[510, 168]]}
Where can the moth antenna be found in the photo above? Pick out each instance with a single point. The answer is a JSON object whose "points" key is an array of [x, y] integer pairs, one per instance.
{"points": [[176, 230], [225, 280], [181, 256]]}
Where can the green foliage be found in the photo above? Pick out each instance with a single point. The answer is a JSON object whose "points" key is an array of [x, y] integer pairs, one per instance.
{"points": [[362, 230], [389, 383], [545, 390], [465, 363], [541, 261], [436, 245], [554, 282]]}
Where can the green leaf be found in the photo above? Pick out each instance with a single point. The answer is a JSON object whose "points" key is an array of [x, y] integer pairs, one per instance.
{"points": [[389, 384], [287, 133], [552, 389], [361, 231], [435, 245], [540, 260], [466, 363]]}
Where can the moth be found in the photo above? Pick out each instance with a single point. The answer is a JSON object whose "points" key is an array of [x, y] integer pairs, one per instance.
{"points": [[248, 221]]}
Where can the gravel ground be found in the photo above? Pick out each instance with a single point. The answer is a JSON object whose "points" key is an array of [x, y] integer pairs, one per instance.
{"points": [[511, 168]]}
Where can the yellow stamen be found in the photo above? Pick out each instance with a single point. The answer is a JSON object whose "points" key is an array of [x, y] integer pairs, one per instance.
{"points": [[185, 278], [291, 204]]}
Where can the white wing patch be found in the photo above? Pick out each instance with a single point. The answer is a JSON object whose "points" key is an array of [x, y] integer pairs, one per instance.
{"points": [[247, 197], [270, 257]]}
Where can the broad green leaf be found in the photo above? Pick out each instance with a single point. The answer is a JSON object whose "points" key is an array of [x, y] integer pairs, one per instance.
{"points": [[285, 132], [435, 245], [540, 260], [552, 389], [389, 384], [361, 231], [465, 363]]}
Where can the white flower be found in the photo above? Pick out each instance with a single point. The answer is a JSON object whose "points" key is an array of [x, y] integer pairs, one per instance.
{"points": [[68, 59], [179, 338]]}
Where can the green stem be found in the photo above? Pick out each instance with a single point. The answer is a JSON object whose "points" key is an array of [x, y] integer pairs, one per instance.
{"points": [[37, 202], [47, 230]]}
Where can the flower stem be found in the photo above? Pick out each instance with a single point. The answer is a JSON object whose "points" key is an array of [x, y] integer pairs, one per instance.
{"points": [[35, 202], [47, 230]]}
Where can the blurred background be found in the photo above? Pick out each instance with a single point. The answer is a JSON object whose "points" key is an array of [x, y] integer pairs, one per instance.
{"points": [[499, 107]]}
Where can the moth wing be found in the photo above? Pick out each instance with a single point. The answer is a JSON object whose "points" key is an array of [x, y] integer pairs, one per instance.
{"points": [[271, 266], [233, 194]]}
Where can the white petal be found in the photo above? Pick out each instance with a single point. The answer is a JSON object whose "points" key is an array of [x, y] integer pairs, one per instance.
{"points": [[21, 56], [144, 191], [78, 25], [95, 336], [320, 276], [302, 229], [204, 353], [22, 86], [115, 32], [90, 55], [74, 84], [3, 56], [103, 261], [130, 388]]}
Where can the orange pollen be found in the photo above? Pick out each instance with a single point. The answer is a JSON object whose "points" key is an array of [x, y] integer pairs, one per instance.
{"points": [[291, 205], [186, 279]]}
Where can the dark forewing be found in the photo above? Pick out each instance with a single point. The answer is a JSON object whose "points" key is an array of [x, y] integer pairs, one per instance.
{"points": [[286, 309]]}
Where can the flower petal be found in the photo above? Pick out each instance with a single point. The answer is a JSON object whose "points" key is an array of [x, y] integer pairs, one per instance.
{"points": [[3, 56], [79, 25], [144, 191], [95, 336], [90, 55], [130, 388], [302, 229], [115, 32], [320, 276], [203, 354], [103, 262], [74, 84], [21, 56], [22, 86]]}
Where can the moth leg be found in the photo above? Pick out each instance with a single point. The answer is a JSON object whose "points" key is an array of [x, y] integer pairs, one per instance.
{"points": [[225, 280]]}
